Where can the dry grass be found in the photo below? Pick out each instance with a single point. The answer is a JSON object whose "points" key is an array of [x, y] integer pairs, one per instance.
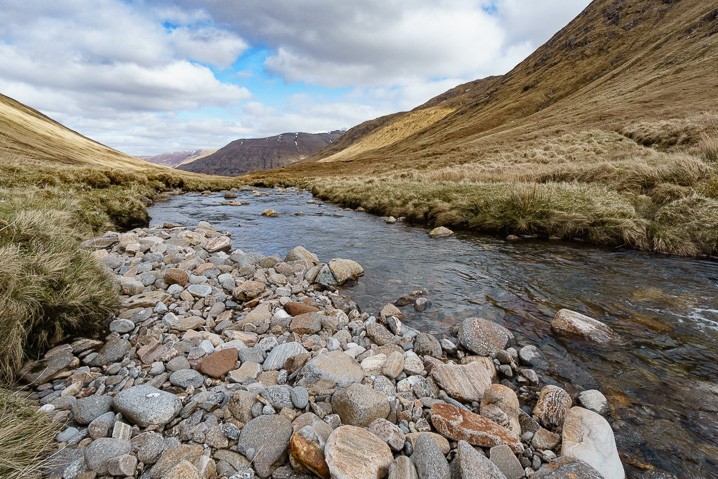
{"points": [[608, 132], [26, 436], [49, 289]]}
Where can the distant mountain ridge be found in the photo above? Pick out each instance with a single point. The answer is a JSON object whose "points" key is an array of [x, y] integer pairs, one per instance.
{"points": [[251, 154], [175, 158]]}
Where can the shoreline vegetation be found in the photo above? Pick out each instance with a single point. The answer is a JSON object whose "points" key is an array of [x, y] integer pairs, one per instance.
{"points": [[653, 187], [50, 289]]}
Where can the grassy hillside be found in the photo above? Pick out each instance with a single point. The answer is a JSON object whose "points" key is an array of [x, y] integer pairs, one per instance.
{"points": [[607, 133]]}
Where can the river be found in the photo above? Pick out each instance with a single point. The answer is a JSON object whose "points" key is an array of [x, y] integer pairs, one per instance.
{"points": [[660, 375]]}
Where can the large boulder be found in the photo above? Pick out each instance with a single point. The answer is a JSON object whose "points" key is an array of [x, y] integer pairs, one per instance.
{"points": [[551, 406], [501, 405], [564, 467], [355, 453], [360, 405], [463, 425], [483, 337], [265, 441], [464, 382], [146, 405], [587, 436], [345, 270], [571, 323], [335, 367]]}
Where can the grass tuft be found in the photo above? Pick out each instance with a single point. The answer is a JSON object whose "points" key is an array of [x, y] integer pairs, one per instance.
{"points": [[49, 289], [26, 436]]}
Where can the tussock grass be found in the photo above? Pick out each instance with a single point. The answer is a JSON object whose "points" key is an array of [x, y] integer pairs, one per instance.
{"points": [[49, 289], [599, 186], [26, 436]]}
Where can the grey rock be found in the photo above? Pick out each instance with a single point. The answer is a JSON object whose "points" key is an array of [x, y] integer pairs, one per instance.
{"points": [[67, 434], [593, 400], [278, 396], [483, 337], [266, 440], [564, 467], [122, 326], [146, 405], [114, 350], [379, 334], [177, 363], [429, 461], [334, 366], [389, 433], [42, 371], [199, 290], [102, 425], [471, 464], [125, 465], [251, 355], [85, 410], [185, 378], [402, 468], [278, 356], [102, 450], [300, 397], [359, 405], [427, 345], [148, 446], [506, 461]]}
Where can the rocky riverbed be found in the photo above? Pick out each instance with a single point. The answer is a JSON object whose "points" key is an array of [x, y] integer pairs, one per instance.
{"points": [[226, 364]]}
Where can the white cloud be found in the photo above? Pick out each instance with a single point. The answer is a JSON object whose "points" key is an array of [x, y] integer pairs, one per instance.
{"points": [[150, 76]]}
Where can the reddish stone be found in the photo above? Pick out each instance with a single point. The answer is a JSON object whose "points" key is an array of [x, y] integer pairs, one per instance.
{"points": [[219, 363], [307, 323], [462, 425], [295, 309], [176, 276]]}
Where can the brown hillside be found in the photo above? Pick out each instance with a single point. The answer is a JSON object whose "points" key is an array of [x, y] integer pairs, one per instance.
{"points": [[608, 133], [250, 154], [618, 61], [26, 133]]}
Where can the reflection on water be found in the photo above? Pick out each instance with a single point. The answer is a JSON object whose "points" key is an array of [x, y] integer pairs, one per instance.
{"points": [[660, 375]]}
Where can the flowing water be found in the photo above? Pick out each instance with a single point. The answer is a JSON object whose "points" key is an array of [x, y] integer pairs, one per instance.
{"points": [[660, 376]]}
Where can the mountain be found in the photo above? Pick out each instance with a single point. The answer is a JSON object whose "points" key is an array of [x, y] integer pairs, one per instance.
{"points": [[619, 61], [27, 134], [250, 154], [607, 133], [175, 158]]}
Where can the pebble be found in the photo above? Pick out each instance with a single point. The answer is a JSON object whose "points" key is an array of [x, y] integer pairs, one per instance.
{"points": [[232, 364]]}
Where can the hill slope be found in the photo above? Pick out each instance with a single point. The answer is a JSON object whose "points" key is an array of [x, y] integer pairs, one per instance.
{"points": [[607, 133], [618, 61], [26, 133], [250, 154]]}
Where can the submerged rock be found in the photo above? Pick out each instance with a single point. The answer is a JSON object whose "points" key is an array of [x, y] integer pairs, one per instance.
{"points": [[571, 323]]}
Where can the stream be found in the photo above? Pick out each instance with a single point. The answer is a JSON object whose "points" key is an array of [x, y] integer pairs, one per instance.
{"points": [[660, 375]]}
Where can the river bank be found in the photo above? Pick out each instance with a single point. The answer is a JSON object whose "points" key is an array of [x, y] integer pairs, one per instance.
{"points": [[221, 363]]}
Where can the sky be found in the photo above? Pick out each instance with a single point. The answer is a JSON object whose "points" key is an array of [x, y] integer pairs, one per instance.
{"points": [[152, 76]]}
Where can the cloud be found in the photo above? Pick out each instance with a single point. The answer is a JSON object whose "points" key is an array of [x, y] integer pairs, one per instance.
{"points": [[151, 76]]}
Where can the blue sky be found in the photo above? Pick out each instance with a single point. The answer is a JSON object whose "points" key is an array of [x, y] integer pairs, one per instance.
{"points": [[150, 76]]}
